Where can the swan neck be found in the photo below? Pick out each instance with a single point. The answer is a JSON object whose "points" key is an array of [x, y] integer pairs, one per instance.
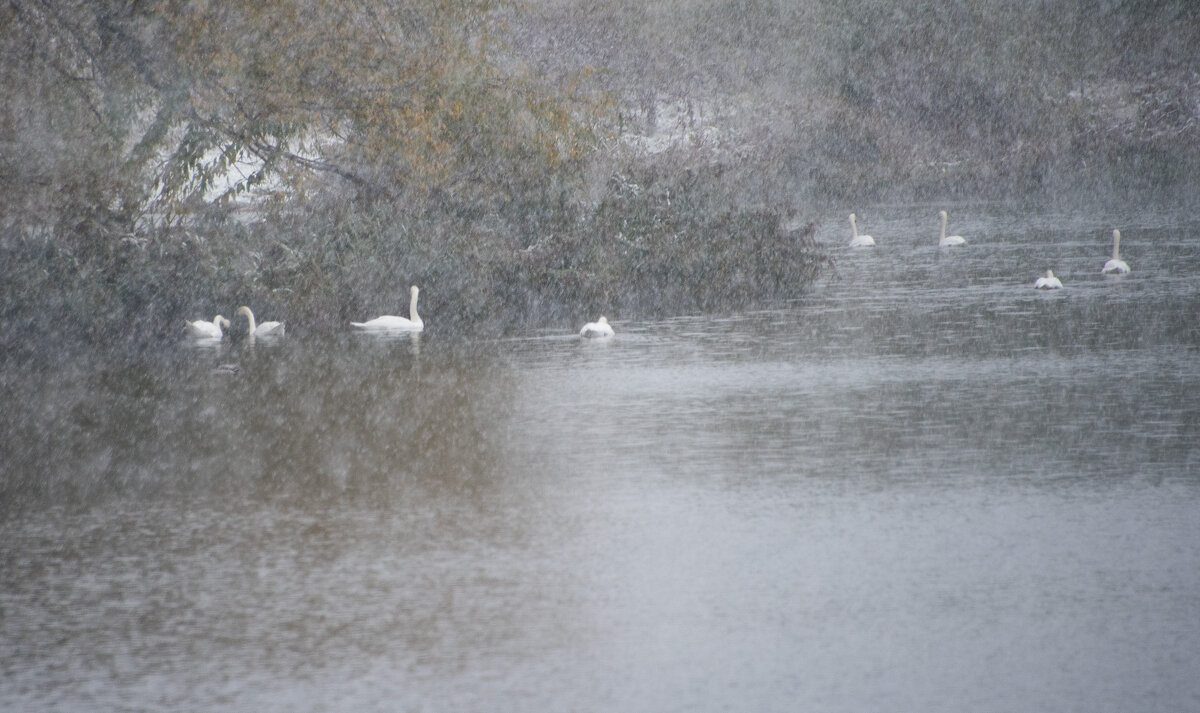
{"points": [[249, 318], [412, 307], [853, 226], [943, 236], [1116, 243]]}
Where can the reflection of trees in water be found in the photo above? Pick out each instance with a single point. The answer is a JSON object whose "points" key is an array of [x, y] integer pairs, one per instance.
{"points": [[357, 415], [327, 418]]}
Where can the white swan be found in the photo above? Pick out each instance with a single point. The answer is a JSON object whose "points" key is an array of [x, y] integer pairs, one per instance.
{"points": [[266, 329], [859, 241], [390, 323], [597, 329], [947, 241], [1116, 265], [1049, 282], [206, 330]]}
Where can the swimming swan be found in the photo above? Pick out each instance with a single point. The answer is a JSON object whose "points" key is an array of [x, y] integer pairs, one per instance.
{"points": [[1049, 282], [266, 329], [389, 323], [206, 330], [947, 241], [859, 241], [1116, 265], [597, 329]]}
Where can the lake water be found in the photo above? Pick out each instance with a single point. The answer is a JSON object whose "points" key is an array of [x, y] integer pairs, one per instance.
{"points": [[922, 486]]}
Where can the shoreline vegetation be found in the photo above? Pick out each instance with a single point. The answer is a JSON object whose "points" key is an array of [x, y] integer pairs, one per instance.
{"points": [[530, 164]]}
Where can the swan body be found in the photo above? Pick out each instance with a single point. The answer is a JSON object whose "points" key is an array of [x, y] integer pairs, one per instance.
{"points": [[1115, 266], [266, 329], [206, 330], [859, 241], [947, 241], [1049, 282], [597, 329], [391, 323]]}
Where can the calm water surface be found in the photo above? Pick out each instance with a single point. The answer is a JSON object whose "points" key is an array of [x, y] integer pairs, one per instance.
{"points": [[922, 487]]}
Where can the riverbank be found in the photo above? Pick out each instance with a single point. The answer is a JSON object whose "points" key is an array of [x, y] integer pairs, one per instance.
{"points": [[654, 244]]}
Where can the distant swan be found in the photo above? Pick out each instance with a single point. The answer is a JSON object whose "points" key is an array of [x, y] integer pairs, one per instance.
{"points": [[206, 330], [597, 329], [1116, 265], [266, 329], [1049, 282], [949, 240], [389, 323], [856, 240]]}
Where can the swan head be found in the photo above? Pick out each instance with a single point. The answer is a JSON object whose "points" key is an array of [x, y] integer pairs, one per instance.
{"points": [[222, 322], [852, 218], [945, 216], [1049, 274], [414, 291]]}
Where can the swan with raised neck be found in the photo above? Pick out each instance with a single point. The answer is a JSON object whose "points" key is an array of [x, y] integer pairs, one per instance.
{"points": [[947, 241], [392, 323], [1116, 266], [266, 329], [856, 240]]}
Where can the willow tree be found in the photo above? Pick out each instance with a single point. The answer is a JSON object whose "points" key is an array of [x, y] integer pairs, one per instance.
{"points": [[137, 111], [129, 126]]}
